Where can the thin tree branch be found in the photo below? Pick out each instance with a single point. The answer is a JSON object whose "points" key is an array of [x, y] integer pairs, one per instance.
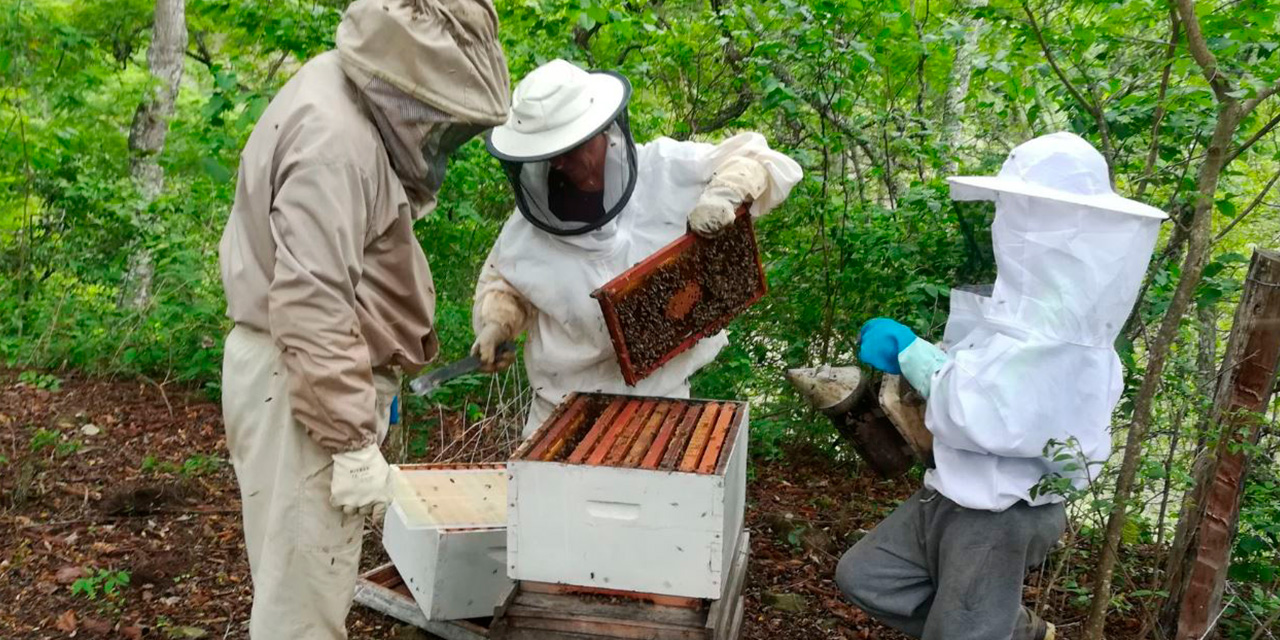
{"points": [[1094, 106], [275, 68], [1244, 146], [1154, 152], [1053, 63], [733, 57], [582, 38], [1199, 48], [202, 49], [1252, 205], [1252, 103], [201, 58], [627, 51]]}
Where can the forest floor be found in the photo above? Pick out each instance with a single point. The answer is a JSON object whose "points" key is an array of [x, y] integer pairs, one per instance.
{"points": [[101, 477]]}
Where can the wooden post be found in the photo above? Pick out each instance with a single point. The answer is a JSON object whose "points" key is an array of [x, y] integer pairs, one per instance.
{"points": [[1244, 390]]}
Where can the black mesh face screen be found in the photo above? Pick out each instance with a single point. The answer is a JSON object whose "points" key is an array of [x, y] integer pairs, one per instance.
{"points": [[570, 204], [550, 201]]}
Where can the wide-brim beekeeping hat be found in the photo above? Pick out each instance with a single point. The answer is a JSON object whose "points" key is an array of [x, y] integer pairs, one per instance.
{"points": [[557, 107], [1062, 167]]}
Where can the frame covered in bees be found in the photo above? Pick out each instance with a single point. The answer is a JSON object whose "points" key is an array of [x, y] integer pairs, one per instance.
{"points": [[687, 291]]}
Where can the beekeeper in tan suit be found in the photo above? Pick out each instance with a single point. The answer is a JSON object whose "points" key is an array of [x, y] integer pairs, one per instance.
{"points": [[330, 291]]}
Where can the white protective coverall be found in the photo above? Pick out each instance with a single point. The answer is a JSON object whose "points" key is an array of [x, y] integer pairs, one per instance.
{"points": [[330, 291], [568, 347], [1035, 362]]}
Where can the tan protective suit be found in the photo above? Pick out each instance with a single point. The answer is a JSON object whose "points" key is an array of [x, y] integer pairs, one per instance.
{"points": [[329, 289]]}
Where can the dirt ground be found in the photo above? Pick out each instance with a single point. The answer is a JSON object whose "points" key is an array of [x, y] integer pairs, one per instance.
{"points": [[98, 478]]}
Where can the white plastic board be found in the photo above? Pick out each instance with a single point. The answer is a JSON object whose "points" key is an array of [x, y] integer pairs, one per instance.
{"points": [[451, 497]]}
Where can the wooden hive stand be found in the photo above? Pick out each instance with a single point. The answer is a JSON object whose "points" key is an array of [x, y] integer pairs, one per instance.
{"points": [[541, 611]]}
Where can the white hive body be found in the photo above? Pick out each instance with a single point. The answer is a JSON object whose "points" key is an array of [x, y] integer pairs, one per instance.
{"points": [[628, 528], [446, 534]]}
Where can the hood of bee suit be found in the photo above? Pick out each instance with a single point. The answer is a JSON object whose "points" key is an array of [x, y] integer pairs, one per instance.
{"points": [[1070, 252], [444, 53]]}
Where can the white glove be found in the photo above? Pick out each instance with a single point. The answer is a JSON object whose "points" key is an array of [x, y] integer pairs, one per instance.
{"points": [[360, 481], [740, 179], [488, 348], [502, 316], [714, 211]]}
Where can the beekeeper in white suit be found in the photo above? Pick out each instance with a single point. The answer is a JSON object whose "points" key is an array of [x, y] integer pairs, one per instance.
{"points": [[590, 204], [1029, 373], [330, 291]]}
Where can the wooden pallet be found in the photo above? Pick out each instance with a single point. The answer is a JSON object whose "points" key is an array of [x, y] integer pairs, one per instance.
{"points": [[559, 612], [384, 591]]}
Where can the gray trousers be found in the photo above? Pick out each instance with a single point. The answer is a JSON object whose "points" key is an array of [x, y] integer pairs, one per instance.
{"points": [[935, 570]]}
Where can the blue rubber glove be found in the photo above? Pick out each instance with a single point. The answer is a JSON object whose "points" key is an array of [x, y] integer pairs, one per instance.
{"points": [[882, 340], [395, 410]]}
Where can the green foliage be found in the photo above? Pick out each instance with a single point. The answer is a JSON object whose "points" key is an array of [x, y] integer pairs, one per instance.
{"points": [[199, 465], [68, 447], [45, 381], [107, 583], [43, 439], [1258, 543], [195, 465]]}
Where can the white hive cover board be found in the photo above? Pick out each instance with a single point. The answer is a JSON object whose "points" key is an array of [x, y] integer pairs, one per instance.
{"points": [[451, 498]]}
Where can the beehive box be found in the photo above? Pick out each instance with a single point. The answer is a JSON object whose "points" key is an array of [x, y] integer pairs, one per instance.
{"points": [[688, 290], [445, 532], [630, 493]]}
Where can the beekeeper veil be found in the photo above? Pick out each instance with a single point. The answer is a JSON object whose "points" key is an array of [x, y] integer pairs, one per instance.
{"points": [[1070, 253], [432, 75], [567, 149]]}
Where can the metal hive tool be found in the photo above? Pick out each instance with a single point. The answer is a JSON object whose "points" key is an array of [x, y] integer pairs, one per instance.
{"points": [[637, 432], [688, 290]]}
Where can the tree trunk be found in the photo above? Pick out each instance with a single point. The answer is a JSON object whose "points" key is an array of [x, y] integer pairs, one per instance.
{"points": [[1244, 391], [1207, 352], [1229, 115], [165, 58], [151, 120], [1206, 387], [958, 89]]}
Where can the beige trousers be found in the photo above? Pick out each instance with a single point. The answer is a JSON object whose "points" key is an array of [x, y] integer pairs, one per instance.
{"points": [[304, 554]]}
